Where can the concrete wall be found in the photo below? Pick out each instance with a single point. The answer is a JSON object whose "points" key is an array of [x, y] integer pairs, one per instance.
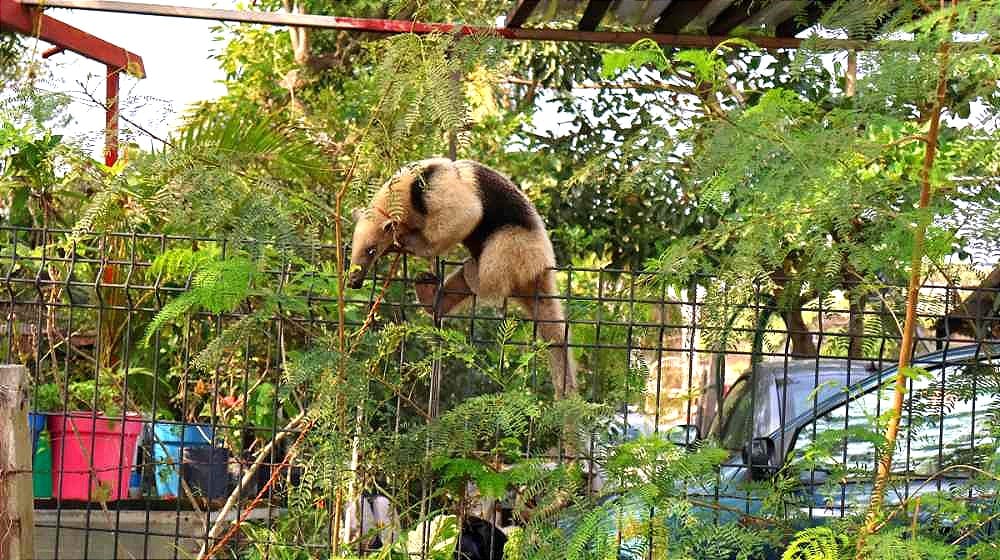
{"points": [[124, 535]]}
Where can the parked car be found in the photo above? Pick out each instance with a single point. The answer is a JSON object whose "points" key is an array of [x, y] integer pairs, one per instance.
{"points": [[948, 419], [773, 415], [769, 396]]}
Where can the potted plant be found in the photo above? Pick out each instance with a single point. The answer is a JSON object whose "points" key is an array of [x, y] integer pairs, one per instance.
{"points": [[93, 443], [46, 399]]}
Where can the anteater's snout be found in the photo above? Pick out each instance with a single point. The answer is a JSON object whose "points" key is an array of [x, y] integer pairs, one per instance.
{"points": [[356, 279]]}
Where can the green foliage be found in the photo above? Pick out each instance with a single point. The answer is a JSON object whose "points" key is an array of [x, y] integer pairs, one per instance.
{"points": [[109, 392], [33, 178], [519, 414], [47, 398], [818, 543], [824, 543], [640, 54], [491, 484], [217, 287], [10, 56], [646, 504], [434, 538], [88, 395], [310, 527], [244, 175], [855, 162], [261, 406]]}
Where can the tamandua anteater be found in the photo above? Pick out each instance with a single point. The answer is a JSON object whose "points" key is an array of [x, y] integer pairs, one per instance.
{"points": [[433, 205]]}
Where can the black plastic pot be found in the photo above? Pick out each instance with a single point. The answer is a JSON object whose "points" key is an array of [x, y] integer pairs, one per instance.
{"points": [[205, 471]]}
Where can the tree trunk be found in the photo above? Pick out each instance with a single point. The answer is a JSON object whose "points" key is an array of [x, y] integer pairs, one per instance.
{"points": [[803, 345], [790, 307], [856, 326], [856, 321]]}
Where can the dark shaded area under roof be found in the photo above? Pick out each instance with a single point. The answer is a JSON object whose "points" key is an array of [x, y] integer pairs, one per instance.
{"points": [[778, 18]]}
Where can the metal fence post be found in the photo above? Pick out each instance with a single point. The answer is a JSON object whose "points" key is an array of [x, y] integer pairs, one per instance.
{"points": [[16, 498]]}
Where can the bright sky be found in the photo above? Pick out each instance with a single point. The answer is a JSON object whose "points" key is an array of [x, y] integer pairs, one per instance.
{"points": [[176, 53]]}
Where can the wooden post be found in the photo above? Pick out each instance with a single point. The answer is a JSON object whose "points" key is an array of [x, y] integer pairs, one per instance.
{"points": [[17, 521]]}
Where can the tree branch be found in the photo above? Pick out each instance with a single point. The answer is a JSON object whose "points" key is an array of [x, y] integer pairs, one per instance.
{"points": [[884, 466]]}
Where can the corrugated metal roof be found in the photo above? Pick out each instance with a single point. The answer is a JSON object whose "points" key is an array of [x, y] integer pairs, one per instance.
{"points": [[780, 18]]}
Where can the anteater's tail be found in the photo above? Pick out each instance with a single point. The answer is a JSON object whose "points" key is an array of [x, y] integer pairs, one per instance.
{"points": [[547, 311]]}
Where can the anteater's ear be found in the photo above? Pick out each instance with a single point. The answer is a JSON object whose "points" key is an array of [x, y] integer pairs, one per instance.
{"points": [[387, 226], [357, 213]]}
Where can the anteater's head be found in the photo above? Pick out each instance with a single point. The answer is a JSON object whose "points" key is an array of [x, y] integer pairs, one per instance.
{"points": [[373, 237]]}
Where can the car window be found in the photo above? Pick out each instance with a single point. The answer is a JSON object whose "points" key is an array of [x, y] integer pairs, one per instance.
{"points": [[855, 448], [953, 419], [803, 393], [949, 418]]}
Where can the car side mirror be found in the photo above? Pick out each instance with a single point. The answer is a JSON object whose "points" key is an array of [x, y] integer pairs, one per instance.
{"points": [[684, 434], [760, 456]]}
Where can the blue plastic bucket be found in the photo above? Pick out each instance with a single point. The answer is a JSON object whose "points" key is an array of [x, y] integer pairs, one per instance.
{"points": [[37, 423], [168, 439]]}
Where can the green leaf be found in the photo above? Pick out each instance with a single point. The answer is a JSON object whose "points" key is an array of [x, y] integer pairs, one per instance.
{"points": [[640, 54], [262, 405]]}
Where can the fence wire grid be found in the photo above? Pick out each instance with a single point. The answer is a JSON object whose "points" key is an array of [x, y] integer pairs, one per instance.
{"points": [[196, 428]]}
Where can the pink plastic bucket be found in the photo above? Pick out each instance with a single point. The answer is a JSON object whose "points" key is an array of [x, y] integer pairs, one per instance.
{"points": [[110, 460]]}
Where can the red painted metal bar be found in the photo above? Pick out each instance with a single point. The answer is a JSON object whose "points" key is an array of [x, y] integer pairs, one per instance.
{"points": [[20, 18], [52, 52], [391, 26], [111, 114]]}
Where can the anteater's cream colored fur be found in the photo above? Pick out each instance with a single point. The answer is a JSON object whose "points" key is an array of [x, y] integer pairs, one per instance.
{"points": [[433, 205]]}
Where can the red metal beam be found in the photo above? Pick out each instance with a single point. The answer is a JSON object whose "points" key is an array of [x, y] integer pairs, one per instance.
{"points": [[392, 26], [52, 51], [21, 18]]}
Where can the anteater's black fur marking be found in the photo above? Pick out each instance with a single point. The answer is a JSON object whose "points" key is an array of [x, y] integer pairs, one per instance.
{"points": [[480, 540], [503, 205], [419, 186]]}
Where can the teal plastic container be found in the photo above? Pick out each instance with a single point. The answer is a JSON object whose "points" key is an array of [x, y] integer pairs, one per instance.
{"points": [[41, 470]]}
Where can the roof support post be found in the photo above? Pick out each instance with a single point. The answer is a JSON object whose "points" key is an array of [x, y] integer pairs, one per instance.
{"points": [[111, 114]]}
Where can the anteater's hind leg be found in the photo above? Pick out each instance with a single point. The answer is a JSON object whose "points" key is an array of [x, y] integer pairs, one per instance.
{"points": [[458, 286]]}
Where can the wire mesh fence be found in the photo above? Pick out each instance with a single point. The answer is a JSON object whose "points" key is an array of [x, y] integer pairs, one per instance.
{"points": [[190, 392]]}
